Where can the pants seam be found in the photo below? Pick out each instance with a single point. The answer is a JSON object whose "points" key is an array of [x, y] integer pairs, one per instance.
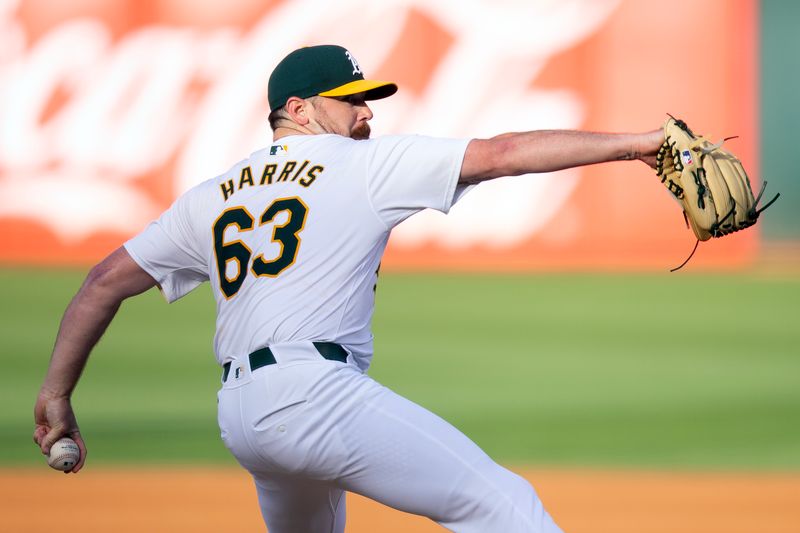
{"points": [[245, 428], [335, 506]]}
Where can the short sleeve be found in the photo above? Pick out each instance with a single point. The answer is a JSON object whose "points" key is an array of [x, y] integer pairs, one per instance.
{"points": [[170, 249], [408, 173]]}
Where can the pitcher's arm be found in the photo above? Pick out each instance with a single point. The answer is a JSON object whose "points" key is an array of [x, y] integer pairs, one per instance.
{"points": [[88, 315]]}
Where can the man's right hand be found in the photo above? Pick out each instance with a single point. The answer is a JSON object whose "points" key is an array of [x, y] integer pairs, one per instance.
{"points": [[55, 419]]}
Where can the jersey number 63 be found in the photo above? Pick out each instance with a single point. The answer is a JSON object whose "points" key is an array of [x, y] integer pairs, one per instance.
{"points": [[285, 235]]}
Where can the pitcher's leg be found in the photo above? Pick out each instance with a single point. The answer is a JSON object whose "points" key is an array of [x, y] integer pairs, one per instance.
{"points": [[293, 505], [264, 428], [408, 458], [351, 433]]}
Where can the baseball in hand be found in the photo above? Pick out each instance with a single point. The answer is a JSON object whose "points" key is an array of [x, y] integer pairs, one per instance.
{"points": [[64, 454]]}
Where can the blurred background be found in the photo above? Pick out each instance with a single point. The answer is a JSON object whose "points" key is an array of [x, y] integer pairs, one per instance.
{"points": [[539, 316]]}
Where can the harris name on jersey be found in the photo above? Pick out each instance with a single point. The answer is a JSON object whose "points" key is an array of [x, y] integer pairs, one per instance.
{"points": [[303, 173]]}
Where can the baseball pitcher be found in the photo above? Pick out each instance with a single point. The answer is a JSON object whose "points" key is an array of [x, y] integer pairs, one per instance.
{"points": [[291, 240]]}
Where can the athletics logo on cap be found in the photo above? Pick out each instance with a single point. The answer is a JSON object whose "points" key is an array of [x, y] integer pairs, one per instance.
{"points": [[356, 67]]}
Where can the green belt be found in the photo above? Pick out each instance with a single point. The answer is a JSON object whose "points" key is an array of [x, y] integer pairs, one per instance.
{"points": [[264, 356]]}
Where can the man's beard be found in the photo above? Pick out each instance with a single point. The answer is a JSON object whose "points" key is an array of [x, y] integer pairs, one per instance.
{"points": [[361, 132]]}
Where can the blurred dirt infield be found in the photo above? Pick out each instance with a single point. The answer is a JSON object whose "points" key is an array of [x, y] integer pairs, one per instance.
{"points": [[221, 499]]}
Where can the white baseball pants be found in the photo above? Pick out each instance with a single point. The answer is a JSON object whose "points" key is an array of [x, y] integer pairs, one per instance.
{"points": [[309, 429]]}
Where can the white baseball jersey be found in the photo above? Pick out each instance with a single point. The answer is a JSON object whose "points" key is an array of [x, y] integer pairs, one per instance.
{"points": [[291, 238]]}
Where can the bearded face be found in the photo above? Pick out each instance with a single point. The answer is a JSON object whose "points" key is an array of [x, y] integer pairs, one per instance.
{"points": [[361, 131], [347, 116]]}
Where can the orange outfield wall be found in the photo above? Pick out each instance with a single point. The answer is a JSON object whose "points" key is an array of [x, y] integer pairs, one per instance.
{"points": [[111, 109]]}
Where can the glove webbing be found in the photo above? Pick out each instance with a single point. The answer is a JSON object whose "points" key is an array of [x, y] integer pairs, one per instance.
{"points": [[752, 214]]}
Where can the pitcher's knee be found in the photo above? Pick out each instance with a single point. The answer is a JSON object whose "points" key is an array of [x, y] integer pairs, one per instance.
{"points": [[503, 502]]}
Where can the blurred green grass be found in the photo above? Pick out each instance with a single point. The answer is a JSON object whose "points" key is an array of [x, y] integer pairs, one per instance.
{"points": [[656, 370]]}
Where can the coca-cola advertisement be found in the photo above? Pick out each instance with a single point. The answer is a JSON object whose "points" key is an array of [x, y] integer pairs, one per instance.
{"points": [[111, 109]]}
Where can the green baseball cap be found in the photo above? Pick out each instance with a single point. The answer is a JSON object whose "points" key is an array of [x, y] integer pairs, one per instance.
{"points": [[325, 70]]}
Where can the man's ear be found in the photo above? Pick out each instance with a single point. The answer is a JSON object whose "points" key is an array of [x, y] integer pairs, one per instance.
{"points": [[298, 109]]}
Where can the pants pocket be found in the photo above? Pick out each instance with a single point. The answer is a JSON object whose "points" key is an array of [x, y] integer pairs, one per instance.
{"points": [[277, 436], [272, 419]]}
